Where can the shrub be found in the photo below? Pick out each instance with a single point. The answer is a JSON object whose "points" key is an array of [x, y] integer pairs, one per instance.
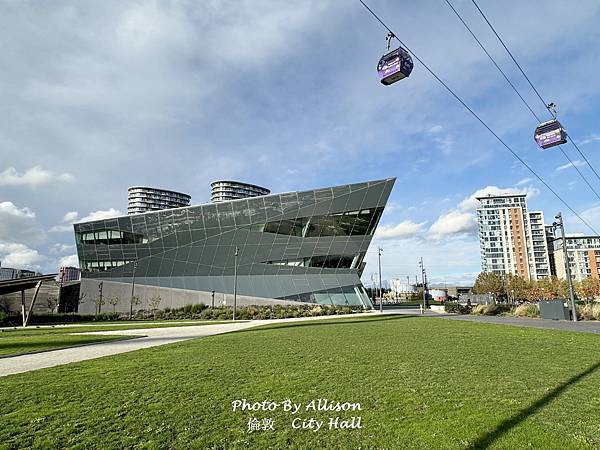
{"points": [[496, 309], [455, 307], [491, 310], [197, 308], [479, 310], [527, 310], [590, 311]]}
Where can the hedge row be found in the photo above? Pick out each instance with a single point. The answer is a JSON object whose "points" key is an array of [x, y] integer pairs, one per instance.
{"points": [[188, 312]]}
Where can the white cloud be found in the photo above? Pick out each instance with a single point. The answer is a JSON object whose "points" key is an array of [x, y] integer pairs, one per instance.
{"points": [[590, 215], [32, 177], [453, 223], [61, 248], [592, 138], [524, 181], [19, 225], [73, 217], [576, 163], [70, 217], [69, 261], [470, 203], [20, 256], [403, 230], [101, 214], [63, 228]]}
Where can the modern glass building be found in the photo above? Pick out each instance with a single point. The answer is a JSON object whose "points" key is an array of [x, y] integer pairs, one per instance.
{"points": [[293, 247]]}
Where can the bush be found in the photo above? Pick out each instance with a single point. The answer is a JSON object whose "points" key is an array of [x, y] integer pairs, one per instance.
{"points": [[479, 310], [527, 310], [197, 308], [491, 310], [496, 309], [589, 311], [455, 307]]}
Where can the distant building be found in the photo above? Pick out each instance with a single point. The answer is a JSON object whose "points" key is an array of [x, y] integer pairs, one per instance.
{"points": [[222, 191], [584, 257], [400, 286], [141, 199], [66, 274], [8, 273], [512, 239], [457, 291]]}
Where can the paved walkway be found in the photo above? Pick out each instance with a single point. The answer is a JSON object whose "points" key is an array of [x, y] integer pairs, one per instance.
{"points": [[152, 337], [583, 326]]}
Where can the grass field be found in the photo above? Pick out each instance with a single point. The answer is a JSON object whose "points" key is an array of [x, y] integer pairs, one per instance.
{"points": [[421, 383], [32, 339]]}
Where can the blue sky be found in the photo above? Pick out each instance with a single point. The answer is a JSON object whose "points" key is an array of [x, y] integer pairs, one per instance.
{"points": [[98, 96]]}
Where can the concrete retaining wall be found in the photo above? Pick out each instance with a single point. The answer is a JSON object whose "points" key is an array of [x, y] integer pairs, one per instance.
{"points": [[170, 297]]}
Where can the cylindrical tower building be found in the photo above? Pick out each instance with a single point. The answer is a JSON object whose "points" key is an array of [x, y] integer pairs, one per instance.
{"points": [[142, 199], [223, 190]]}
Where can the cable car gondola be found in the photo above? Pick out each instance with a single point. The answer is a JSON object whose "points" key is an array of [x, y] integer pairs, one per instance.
{"points": [[395, 65], [550, 134]]}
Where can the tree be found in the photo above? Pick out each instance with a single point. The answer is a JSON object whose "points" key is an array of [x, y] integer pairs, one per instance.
{"points": [[114, 301], [517, 287], [488, 282], [135, 300], [51, 301], [555, 288], [153, 303], [99, 301], [80, 299], [589, 289]]}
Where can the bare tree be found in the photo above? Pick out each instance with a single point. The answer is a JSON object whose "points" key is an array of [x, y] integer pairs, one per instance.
{"points": [[80, 300], [154, 302], [99, 301], [51, 301], [114, 301], [135, 300]]}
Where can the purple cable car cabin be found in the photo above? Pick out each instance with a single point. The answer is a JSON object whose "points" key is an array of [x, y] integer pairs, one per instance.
{"points": [[550, 134], [394, 66]]}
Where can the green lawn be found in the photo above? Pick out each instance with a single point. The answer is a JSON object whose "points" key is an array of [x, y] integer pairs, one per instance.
{"points": [[15, 345], [421, 383], [32, 339]]}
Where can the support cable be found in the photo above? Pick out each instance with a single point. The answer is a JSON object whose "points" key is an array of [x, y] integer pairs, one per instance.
{"points": [[474, 114]]}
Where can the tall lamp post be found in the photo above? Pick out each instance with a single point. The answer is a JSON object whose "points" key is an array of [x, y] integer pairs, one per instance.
{"points": [[379, 250], [132, 291], [235, 281], [421, 265], [559, 224]]}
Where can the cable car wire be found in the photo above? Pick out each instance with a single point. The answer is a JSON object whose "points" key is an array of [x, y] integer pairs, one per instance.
{"points": [[532, 86], [433, 74], [583, 177]]}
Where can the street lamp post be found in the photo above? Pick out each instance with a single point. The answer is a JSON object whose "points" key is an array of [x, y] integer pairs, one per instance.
{"points": [[235, 281], [380, 290], [423, 283], [100, 285], [132, 291], [559, 224]]}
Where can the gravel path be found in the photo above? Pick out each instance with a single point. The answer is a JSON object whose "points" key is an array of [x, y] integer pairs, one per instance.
{"points": [[151, 337]]}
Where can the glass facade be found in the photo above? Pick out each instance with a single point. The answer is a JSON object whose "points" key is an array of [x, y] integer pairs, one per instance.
{"points": [[304, 246]]}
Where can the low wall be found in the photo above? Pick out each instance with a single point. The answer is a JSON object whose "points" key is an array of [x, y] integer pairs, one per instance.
{"points": [[169, 297]]}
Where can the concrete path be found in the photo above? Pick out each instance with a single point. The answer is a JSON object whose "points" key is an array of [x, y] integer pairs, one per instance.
{"points": [[583, 326], [152, 337]]}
